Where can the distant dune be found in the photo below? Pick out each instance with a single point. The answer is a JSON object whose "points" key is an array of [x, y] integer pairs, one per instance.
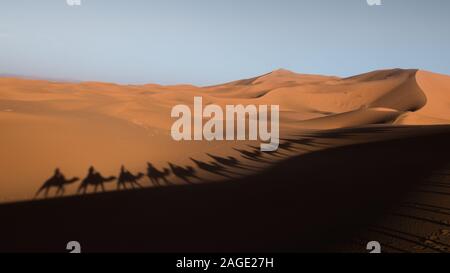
{"points": [[72, 126]]}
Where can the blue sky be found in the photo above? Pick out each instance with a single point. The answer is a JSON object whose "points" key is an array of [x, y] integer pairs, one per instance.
{"points": [[212, 41]]}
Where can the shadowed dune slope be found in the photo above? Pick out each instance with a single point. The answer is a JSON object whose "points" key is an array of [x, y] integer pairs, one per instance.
{"points": [[305, 203]]}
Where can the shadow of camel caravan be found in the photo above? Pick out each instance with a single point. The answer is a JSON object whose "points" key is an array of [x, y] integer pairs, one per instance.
{"points": [[57, 181], [95, 179], [126, 177]]}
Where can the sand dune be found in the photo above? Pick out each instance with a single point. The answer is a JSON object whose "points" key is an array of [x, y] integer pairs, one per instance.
{"points": [[72, 126], [436, 88]]}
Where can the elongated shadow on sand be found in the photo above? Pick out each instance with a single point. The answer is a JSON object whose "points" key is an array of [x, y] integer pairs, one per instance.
{"points": [[155, 175], [301, 141], [95, 179], [280, 152], [58, 181], [255, 155], [127, 178], [277, 153], [232, 162], [185, 173], [300, 144], [213, 168], [287, 146]]}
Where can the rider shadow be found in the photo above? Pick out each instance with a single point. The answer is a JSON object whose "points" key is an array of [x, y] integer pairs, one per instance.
{"points": [[94, 178], [155, 175], [126, 177], [59, 181], [185, 173]]}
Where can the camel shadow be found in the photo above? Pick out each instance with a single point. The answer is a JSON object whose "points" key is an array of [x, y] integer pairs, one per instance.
{"points": [[277, 153], [212, 167], [185, 173], [57, 181], [231, 162], [94, 178], [255, 155], [155, 175], [301, 141], [126, 177]]}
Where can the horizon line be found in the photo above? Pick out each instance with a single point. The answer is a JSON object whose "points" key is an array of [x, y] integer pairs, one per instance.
{"points": [[75, 81]]}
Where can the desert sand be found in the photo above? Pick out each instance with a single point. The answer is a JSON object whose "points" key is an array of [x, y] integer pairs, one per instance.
{"points": [[73, 126], [356, 156]]}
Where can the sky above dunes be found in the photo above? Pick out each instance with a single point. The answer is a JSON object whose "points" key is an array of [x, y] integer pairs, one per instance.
{"points": [[212, 41]]}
